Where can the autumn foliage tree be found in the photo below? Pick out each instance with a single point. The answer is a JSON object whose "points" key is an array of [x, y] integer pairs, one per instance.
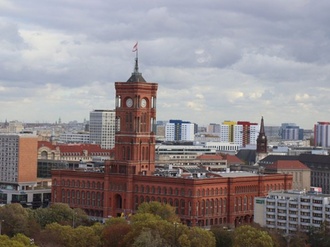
{"points": [[248, 236]]}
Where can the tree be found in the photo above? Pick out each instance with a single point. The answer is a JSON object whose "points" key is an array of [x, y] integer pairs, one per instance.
{"points": [[223, 237], [197, 237], [19, 240], [15, 219], [62, 214], [84, 236], [145, 221], [319, 236], [114, 232], [7, 242], [147, 238], [165, 211], [23, 239], [56, 234], [249, 236]]}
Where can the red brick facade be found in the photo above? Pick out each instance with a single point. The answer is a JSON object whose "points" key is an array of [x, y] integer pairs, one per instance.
{"points": [[204, 202], [127, 181]]}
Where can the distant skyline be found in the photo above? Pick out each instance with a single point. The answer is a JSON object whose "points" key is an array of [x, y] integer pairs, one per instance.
{"points": [[213, 60]]}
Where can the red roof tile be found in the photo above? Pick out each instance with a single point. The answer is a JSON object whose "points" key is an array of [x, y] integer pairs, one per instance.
{"points": [[232, 159], [209, 157], [75, 148], [287, 164]]}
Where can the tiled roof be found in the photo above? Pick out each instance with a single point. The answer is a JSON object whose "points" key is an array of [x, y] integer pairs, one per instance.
{"points": [[304, 158], [249, 156], [287, 164], [314, 158], [272, 158], [232, 159], [74, 148], [209, 157]]}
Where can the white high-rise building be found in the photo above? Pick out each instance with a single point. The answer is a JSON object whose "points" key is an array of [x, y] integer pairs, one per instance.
{"points": [[254, 132], [178, 130], [187, 132], [227, 131], [102, 128]]}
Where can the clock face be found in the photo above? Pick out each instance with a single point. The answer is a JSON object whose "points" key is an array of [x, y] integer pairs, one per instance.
{"points": [[129, 102], [143, 103]]}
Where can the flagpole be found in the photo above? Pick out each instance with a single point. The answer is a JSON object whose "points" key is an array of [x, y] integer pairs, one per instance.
{"points": [[135, 49]]}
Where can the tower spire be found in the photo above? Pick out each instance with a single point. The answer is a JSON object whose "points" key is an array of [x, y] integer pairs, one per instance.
{"points": [[262, 139], [136, 75], [262, 126]]}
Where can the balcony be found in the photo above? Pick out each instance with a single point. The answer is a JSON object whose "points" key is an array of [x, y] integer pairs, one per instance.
{"points": [[270, 206], [281, 227], [317, 218], [318, 211], [270, 213], [305, 209], [293, 202]]}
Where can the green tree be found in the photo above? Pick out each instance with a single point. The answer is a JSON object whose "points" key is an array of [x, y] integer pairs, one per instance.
{"points": [[84, 236], [248, 236], [26, 241], [223, 237], [62, 214], [114, 232], [165, 211], [147, 238], [319, 237], [145, 221], [5, 241], [56, 234], [15, 219], [197, 237]]}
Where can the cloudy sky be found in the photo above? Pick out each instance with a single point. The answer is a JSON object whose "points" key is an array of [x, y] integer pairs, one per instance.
{"points": [[214, 60]]}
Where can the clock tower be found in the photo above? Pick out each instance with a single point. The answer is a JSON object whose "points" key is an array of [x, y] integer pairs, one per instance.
{"points": [[136, 119]]}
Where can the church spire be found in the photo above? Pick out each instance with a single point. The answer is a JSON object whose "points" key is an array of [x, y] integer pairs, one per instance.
{"points": [[262, 139], [262, 127]]}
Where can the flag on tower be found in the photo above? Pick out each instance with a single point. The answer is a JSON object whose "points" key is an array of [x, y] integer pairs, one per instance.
{"points": [[135, 47]]}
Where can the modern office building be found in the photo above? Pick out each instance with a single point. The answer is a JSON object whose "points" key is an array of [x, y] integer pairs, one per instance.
{"points": [[102, 128], [178, 130], [18, 170], [273, 132], [322, 134], [292, 211], [214, 128], [201, 197], [290, 131], [79, 137]]}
